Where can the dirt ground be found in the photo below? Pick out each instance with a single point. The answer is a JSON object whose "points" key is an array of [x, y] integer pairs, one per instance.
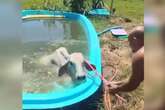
{"points": [[116, 56]]}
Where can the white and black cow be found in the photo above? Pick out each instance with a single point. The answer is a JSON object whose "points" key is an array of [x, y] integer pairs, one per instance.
{"points": [[76, 67], [73, 65]]}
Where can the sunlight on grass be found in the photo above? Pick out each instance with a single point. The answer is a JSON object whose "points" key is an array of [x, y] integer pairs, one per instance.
{"points": [[132, 9]]}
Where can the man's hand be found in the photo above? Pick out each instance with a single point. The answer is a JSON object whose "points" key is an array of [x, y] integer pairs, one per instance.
{"points": [[115, 86]]}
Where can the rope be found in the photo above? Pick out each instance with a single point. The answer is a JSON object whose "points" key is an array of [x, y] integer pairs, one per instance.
{"points": [[106, 82]]}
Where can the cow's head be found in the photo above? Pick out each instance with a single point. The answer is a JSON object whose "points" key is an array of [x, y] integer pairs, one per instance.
{"points": [[76, 67]]}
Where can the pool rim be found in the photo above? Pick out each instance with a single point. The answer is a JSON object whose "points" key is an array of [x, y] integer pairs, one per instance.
{"points": [[51, 100]]}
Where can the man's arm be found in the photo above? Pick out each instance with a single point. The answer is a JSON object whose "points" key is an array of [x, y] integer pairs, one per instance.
{"points": [[137, 74]]}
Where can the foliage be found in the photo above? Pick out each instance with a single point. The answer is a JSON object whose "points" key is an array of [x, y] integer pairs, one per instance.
{"points": [[44, 4], [79, 6]]}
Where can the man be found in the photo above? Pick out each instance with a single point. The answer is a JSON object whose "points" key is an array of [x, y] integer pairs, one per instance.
{"points": [[136, 41]]}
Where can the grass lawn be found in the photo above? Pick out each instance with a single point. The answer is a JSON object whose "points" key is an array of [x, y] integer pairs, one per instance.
{"points": [[132, 9]]}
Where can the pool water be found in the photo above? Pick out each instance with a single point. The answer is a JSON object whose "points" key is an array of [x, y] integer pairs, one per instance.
{"points": [[42, 37]]}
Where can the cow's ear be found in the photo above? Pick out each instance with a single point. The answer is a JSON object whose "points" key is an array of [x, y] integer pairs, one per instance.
{"points": [[62, 70], [89, 67]]}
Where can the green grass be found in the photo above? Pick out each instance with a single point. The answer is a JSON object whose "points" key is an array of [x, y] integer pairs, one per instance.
{"points": [[132, 9], [44, 4]]}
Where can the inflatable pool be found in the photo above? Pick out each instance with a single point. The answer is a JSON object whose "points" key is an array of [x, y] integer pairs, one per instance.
{"points": [[79, 93]]}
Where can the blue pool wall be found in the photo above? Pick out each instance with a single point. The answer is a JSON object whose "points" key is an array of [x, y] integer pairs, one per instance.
{"points": [[80, 94]]}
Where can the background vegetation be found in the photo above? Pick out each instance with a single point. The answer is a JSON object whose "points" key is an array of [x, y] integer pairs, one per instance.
{"points": [[132, 9]]}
